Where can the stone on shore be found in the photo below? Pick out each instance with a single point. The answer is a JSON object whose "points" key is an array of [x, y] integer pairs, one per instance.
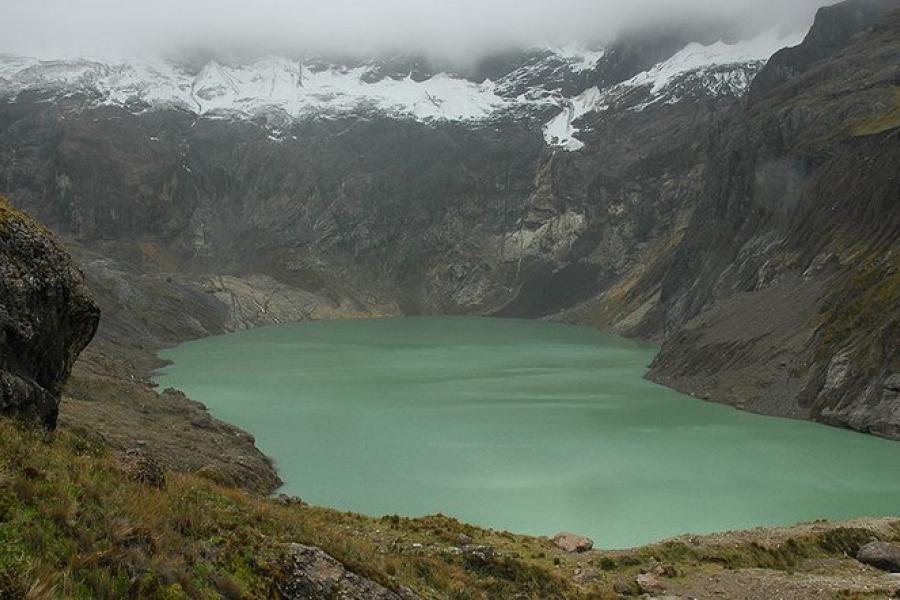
{"points": [[571, 542], [882, 555]]}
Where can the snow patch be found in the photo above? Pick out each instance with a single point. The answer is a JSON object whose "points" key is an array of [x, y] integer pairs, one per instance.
{"points": [[696, 56], [251, 89], [718, 69], [281, 89], [560, 131]]}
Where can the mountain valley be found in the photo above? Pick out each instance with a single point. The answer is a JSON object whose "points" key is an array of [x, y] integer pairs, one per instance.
{"points": [[731, 196]]}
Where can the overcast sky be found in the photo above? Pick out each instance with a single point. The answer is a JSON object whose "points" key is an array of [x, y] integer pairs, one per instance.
{"points": [[452, 28]]}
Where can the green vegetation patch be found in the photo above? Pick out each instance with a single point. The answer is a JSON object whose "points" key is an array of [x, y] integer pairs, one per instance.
{"points": [[870, 296], [880, 122], [74, 524], [11, 217]]}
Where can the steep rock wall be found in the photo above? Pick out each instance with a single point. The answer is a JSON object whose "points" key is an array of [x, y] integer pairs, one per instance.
{"points": [[784, 296], [46, 317]]}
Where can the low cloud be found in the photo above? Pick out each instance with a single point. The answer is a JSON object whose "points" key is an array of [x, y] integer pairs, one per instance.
{"points": [[453, 29]]}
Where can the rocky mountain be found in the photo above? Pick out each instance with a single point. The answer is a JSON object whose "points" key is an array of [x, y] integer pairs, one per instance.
{"points": [[671, 185], [328, 180], [277, 91], [789, 304]]}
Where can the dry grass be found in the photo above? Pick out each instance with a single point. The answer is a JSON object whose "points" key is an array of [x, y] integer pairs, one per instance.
{"points": [[72, 524], [890, 119]]}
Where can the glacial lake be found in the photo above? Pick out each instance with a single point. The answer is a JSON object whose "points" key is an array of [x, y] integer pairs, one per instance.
{"points": [[526, 426]]}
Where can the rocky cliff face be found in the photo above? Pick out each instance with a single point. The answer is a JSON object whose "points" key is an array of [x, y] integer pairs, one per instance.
{"points": [[46, 317], [835, 28], [638, 186], [782, 295], [376, 215]]}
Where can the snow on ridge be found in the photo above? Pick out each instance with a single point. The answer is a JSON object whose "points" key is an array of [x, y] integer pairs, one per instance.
{"points": [[546, 70], [560, 131], [10, 64], [697, 56], [719, 68], [298, 89]]}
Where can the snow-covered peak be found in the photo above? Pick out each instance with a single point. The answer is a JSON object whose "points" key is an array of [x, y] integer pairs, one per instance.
{"points": [[272, 83], [694, 57], [283, 89], [718, 70], [546, 71]]}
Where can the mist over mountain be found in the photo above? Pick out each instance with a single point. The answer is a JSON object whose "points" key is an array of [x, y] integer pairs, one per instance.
{"points": [[461, 32]]}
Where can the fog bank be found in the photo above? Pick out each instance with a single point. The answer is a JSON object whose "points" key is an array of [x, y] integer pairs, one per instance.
{"points": [[450, 29]]}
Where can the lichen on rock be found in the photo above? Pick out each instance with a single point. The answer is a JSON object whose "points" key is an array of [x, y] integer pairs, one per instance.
{"points": [[314, 575], [46, 317]]}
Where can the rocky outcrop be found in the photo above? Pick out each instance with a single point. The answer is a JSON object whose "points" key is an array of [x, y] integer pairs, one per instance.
{"points": [[571, 542], [881, 555], [649, 584], [784, 296], [314, 575], [46, 317], [109, 397], [835, 28]]}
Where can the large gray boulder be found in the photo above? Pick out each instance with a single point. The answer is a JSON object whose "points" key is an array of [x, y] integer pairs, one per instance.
{"points": [[881, 555], [571, 542], [46, 317]]}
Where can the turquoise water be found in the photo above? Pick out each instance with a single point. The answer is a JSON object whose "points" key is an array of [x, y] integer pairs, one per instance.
{"points": [[520, 425]]}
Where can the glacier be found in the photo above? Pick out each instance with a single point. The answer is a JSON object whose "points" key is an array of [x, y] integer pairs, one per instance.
{"points": [[718, 69], [299, 90], [281, 89]]}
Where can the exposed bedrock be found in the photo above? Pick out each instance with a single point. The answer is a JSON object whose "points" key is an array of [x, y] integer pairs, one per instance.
{"points": [[46, 317], [784, 296]]}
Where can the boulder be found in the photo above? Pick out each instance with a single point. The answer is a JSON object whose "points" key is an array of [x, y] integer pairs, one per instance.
{"points": [[881, 555], [47, 317], [661, 570], [571, 542], [314, 575], [287, 500], [648, 584], [624, 587]]}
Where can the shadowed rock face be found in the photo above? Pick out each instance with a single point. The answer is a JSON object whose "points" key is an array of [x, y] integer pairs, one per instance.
{"points": [[784, 297], [835, 28], [46, 317]]}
